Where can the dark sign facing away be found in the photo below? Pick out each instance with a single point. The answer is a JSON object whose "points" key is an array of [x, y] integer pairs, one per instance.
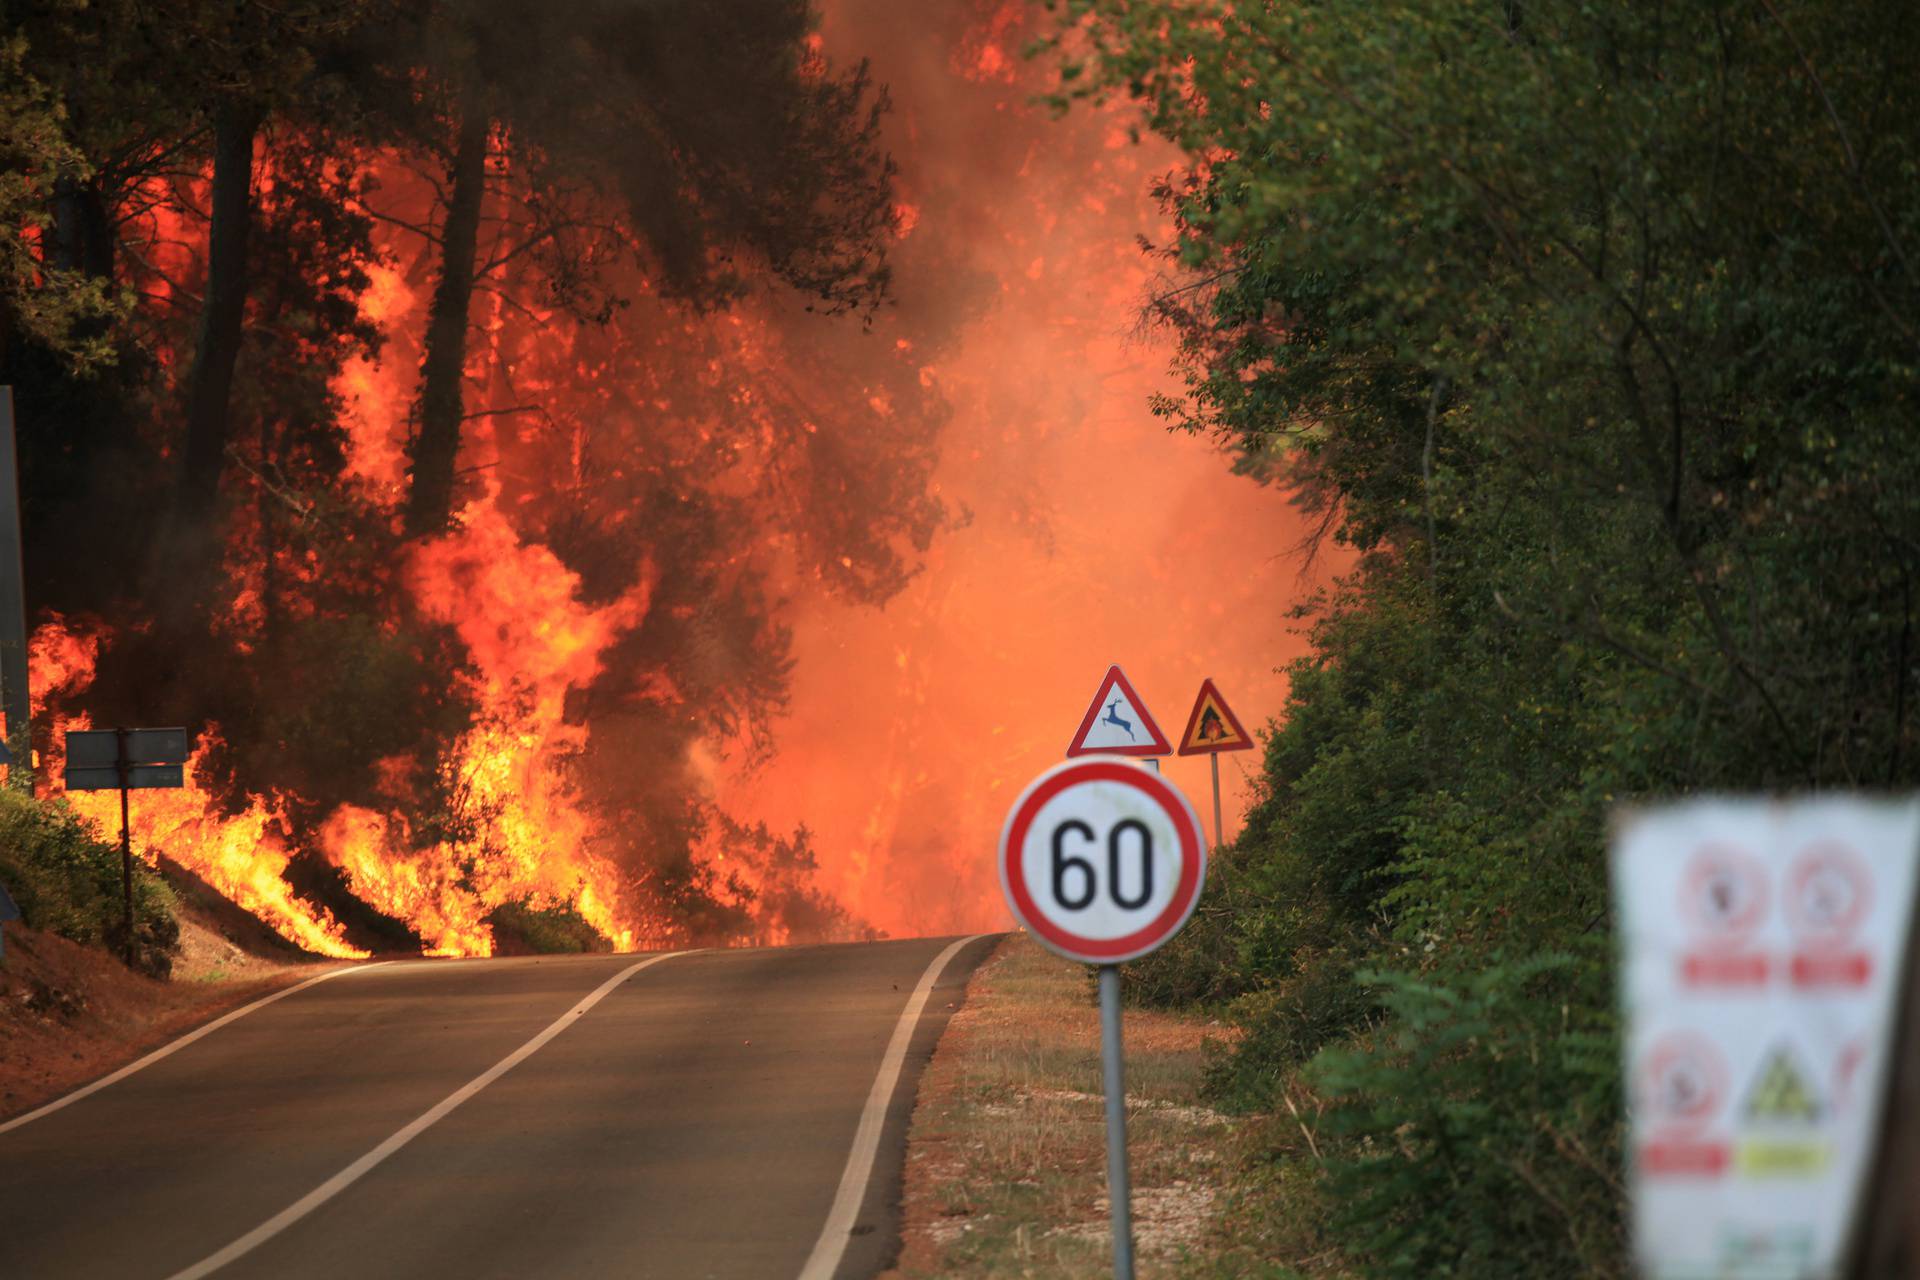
{"points": [[154, 758]]}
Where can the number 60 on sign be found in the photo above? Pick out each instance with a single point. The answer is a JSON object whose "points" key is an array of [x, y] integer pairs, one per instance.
{"points": [[1102, 860]]}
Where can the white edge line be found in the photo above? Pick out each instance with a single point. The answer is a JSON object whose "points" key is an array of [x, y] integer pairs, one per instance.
{"points": [[175, 1046], [832, 1244], [420, 1124]]}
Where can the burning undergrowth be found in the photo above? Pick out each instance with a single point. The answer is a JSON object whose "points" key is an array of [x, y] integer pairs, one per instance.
{"points": [[668, 669], [499, 728]]}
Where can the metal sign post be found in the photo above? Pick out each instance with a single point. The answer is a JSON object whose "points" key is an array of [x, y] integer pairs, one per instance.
{"points": [[1102, 860], [1113, 1084], [1219, 832], [106, 759]]}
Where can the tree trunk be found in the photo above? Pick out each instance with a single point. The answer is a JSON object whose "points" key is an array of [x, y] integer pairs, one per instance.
{"points": [[98, 245], [443, 368], [82, 228], [210, 382]]}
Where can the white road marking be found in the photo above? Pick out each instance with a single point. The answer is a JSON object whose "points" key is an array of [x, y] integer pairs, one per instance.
{"points": [[832, 1244], [175, 1046], [420, 1124]]}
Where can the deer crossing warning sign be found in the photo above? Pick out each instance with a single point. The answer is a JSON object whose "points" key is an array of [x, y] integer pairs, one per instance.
{"points": [[1117, 722]]}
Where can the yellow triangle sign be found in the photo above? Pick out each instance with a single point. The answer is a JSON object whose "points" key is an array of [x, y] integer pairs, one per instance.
{"points": [[1213, 726], [1783, 1093]]}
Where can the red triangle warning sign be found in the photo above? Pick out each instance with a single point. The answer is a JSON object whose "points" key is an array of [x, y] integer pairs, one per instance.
{"points": [[1213, 726], [1117, 724]]}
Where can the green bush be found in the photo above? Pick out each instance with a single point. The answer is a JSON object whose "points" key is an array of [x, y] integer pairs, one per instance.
{"points": [[520, 928], [68, 881], [1478, 1128]]}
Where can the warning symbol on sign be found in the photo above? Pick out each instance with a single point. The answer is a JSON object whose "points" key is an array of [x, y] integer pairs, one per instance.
{"points": [[1724, 898], [1212, 727], [1782, 1094], [1682, 1080], [1829, 894], [1725, 893], [1681, 1084], [1117, 722], [1829, 891]]}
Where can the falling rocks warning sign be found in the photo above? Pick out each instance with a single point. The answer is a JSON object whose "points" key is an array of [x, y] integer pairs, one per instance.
{"points": [[1761, 945]]}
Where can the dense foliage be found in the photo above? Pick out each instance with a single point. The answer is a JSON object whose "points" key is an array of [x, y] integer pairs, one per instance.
{"points": [[67, 881], [1589, 330]]}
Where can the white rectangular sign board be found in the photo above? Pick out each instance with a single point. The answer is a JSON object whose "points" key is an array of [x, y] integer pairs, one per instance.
{"points": [[1763, 942]]}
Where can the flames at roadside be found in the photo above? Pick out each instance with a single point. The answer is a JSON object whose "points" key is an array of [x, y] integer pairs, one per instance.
{"points": [[532, 642], [241, 855], [908, 708]]}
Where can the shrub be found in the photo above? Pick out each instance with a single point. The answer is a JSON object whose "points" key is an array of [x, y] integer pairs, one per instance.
{"points": [[68, 881], [1478, 1127], [521, 928]]}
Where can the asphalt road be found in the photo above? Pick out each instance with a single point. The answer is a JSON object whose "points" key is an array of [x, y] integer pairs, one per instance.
{"points": [[695, 1121]]}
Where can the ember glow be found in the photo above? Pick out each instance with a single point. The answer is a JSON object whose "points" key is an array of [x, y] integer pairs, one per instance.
{"points": [[955, 518]]}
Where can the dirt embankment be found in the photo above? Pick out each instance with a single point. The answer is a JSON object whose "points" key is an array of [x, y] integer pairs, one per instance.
{"points": [[71, 1013]]}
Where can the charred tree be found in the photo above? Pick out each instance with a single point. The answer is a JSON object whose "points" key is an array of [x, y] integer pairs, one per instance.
{"points": [[83, 232], [443, 367], [217, 348]]}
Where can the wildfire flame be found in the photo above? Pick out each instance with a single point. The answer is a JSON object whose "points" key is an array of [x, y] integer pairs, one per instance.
{"points": [[1094, 537], [242, 856]]}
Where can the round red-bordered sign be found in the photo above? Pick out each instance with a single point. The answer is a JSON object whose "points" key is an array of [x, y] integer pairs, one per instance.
{"points": [[1724, 894], [1099, 797], [1682, 1081], [1829, 891]]}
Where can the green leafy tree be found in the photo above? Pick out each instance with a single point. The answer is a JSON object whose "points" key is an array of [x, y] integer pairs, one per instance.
{"points": [[53, 302], [1588, 332]]}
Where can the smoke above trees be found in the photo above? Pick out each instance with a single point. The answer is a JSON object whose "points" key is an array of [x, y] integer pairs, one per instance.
{"points": [[518, 626]]}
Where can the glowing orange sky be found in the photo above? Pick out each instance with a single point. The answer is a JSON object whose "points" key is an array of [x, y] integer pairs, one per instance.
{"points": [[1096, 536]]}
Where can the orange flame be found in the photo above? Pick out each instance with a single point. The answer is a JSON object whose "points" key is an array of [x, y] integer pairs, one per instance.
{"points": [[531, 640], [1094, 536], [243, 856], [516, 608]]}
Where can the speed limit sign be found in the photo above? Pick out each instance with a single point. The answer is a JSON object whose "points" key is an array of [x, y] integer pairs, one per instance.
{"points": [[1102, 860]]}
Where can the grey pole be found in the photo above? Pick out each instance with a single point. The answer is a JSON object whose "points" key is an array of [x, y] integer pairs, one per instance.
{"points": [[13, 608], [1113, 1080], [1219, 836]]}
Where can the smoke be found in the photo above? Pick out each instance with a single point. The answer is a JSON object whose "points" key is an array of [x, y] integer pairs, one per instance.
{"points": [[1094, 536], [753, 621]]}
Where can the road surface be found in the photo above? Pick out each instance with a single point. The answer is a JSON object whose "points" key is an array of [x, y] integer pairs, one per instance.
{"points": [[686, 1117]]}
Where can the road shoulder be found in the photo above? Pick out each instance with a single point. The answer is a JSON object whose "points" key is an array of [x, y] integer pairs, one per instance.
{"points": [[70, 1014], [1005, 1171]]}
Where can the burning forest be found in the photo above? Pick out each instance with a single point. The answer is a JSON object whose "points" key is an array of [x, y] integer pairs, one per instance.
{"points": [[598, 476]]}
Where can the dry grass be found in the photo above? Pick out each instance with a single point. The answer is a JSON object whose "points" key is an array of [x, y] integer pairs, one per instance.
{"points": [[1006, 1172]]}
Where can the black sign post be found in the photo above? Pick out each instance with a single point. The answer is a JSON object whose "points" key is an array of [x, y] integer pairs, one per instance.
{"points": [[13, 610], [126, 759]]}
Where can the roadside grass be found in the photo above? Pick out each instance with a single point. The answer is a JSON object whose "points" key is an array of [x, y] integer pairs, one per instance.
{"points": [[1006, 1156]]}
